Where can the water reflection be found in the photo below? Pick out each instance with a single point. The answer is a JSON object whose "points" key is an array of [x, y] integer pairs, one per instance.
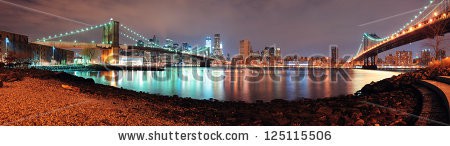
{"points": [[236, 84]]}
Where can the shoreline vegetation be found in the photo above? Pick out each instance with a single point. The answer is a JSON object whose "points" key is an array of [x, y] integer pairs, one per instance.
{"points": [[41, 97]]}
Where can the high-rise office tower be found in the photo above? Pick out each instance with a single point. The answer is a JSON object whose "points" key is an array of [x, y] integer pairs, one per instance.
{"points": [[208, 44], [245, 48], [334, 56], [217, 46]]}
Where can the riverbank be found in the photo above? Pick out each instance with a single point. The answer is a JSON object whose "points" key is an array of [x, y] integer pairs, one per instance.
{"points": [[98, 68], [39, 97]]}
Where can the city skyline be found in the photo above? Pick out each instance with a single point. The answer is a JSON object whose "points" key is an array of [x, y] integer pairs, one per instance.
{"points": [[185, 25]]}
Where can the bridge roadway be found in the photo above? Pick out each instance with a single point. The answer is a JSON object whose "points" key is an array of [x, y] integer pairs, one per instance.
{"points": [[82, 45], [418, 32]]}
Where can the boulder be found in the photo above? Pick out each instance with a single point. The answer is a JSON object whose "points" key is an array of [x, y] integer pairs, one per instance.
{"points": [[359, 122], [68, 87], [325, 110], [283, 121], [3, 77]]}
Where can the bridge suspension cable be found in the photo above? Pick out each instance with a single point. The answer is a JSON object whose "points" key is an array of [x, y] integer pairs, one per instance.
{"points": [[427, 10], [70, 33], [140, 36]]}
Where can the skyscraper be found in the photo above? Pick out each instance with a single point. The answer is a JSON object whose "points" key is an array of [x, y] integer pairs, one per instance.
{"points": [[334, 56], [154, 40], [278, 53], [403, 58], [245, 48], [169, 43], [208, 42], [217, 46], [185, 46], [425, 57], [271, 51], [389, 60]]}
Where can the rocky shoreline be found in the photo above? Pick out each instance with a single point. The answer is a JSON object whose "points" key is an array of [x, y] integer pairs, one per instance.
{"points": [[389, 102]]}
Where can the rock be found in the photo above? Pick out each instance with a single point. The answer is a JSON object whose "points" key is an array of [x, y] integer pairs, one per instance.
{"points": [[399, 122], [279, 101], [363, 105], [376, 111], [356, 115], [3, 77], [283, 121], [90, 81], [67, 87], [12, 79], [359, 122], [333, 119], [377, 125], [322, 118], [372, 121], [1, 84], [325, 110]]}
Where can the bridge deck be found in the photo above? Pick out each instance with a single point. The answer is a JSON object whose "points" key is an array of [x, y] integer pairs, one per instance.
{"points": [[425, 30]]}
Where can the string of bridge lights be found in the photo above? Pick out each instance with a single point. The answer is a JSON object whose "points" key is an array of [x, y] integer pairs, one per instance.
{"points": [[128, 36], [404, 26], [401, 30], [138, 35], [74, 32], [137, 40]]}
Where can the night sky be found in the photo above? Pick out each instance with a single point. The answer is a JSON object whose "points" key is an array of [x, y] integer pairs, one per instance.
{"points": [[302, 27]]}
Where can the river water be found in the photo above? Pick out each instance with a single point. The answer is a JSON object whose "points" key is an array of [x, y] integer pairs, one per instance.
{"points": [[241, 84]]}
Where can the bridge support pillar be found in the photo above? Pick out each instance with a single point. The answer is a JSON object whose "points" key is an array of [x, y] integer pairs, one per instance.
{"points": [[205, 63], [370, 62]]}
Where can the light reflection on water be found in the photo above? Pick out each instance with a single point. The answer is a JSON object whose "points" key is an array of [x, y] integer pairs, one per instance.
{"points": [[227, 84]]}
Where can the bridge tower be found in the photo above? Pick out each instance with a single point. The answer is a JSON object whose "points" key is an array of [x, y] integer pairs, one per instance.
{"points": [[370, 61], [111, 33], [111, 36]]}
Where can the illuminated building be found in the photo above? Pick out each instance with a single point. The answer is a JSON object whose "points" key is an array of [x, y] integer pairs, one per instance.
{"points": [[334, 56], [403, 58], [11, 42], [185, 47], [278, 53], [217, 45], [425, 57], [389, 60], [18, 45], [169, 43], [208, 44], [154, 40], [245, 48]]}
